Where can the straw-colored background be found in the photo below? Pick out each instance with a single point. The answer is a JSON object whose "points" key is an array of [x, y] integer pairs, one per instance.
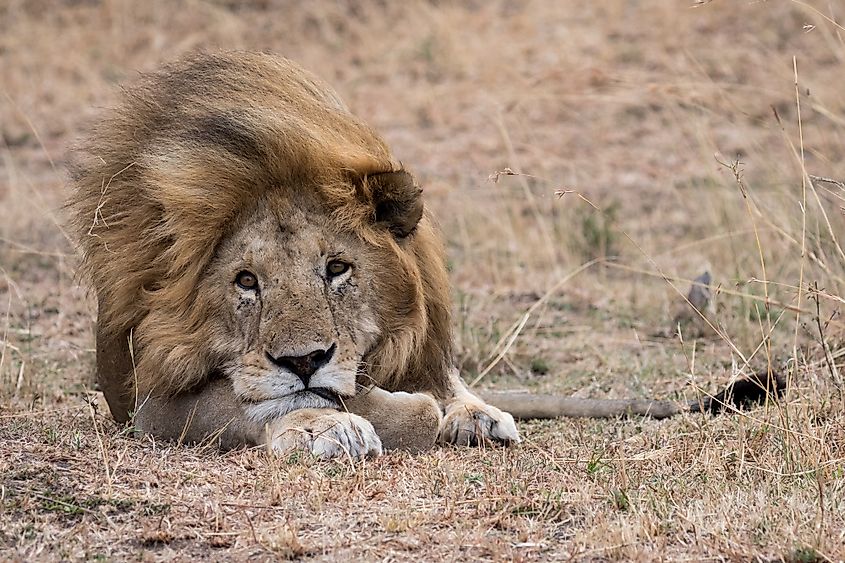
{"points": [[679, 120]]}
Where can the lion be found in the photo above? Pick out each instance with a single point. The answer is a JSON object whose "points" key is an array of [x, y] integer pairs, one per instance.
{"points": [[267, 273]]}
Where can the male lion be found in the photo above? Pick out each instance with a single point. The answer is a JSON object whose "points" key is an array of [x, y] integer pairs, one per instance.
{"points": [[266, 272], [270, 264]]}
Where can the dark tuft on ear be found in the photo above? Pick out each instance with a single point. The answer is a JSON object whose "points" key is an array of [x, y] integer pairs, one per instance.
{"points": [[397, 201]]}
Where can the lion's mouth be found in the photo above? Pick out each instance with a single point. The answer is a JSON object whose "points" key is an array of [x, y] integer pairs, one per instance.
{"points": [[324, 393]]}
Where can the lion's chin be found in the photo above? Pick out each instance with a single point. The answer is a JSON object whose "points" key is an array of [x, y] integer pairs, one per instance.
{"points": [[311, 398], [324, 393]]}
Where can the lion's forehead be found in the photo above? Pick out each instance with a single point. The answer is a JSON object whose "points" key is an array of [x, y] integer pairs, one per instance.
{"points": [[293, 236]]}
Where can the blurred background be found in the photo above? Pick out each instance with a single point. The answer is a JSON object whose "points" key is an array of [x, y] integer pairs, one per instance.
{"points": [[671, 129]]}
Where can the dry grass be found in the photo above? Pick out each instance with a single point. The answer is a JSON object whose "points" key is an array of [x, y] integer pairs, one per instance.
{"points": [[679, 120]]}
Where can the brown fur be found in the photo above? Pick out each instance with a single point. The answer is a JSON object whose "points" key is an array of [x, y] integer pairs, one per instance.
{"points": [[188, 152]]}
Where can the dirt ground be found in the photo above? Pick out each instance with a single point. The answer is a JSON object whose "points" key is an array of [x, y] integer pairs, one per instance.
{"points": [[659, 139]]}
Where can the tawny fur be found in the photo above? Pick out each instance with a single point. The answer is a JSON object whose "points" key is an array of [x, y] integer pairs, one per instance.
{"points": [[192, 148]]}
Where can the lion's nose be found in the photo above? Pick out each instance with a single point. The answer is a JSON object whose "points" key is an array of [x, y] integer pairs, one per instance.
{"points": [[304, 366]]}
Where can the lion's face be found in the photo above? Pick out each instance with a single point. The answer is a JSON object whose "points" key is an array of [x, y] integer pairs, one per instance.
{"points": [[292, 318]]}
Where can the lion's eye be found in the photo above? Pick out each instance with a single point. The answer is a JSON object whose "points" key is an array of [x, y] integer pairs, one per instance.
{"points": [[336, 268], [247, 280]]}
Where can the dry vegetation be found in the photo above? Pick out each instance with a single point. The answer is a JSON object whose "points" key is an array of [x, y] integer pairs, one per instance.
{"points": [[682, 121]]}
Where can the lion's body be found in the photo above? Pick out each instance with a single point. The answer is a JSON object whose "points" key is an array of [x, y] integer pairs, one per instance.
{"points": [[191, 153], [244, 158]]}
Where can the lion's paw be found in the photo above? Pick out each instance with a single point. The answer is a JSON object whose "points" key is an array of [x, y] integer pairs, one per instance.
{"points": [[325, 433], [474, 423]]}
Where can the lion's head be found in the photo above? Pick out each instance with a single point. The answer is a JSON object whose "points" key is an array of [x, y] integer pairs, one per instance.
{"points": [[236, 219], [294, 301]]}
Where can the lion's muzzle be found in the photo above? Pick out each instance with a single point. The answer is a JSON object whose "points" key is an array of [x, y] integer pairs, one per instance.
{"points": [[306, 365]]}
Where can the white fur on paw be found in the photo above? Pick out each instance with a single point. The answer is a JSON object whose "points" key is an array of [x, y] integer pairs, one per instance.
{"points": [[474, 423], [327, 435]]}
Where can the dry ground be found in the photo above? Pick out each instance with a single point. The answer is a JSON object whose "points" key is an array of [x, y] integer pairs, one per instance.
{"points": [[681, 120]]}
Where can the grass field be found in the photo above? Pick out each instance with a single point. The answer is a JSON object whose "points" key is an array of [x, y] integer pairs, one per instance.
{"points": [[658, 139]]}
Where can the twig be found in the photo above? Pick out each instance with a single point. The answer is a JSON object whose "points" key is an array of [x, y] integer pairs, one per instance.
{"points": [[102, 446]]}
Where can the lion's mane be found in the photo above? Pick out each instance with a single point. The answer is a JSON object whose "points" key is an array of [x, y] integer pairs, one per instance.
{"points": [[188, 151]]}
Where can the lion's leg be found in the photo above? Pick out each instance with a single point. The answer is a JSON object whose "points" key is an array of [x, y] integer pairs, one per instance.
{"points": [[469, 421], [215, 414], [114, 369], [212, 414], [404, 421]]}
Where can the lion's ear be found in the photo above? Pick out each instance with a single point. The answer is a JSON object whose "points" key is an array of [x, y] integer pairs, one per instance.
{"points": [[397, 201]]}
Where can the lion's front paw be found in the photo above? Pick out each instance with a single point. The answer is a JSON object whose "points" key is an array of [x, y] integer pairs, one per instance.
{"points": [[325, 433], [474, 423]]}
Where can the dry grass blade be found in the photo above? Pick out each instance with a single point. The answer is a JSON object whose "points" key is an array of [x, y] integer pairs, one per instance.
{"points": [[510, 337]]}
